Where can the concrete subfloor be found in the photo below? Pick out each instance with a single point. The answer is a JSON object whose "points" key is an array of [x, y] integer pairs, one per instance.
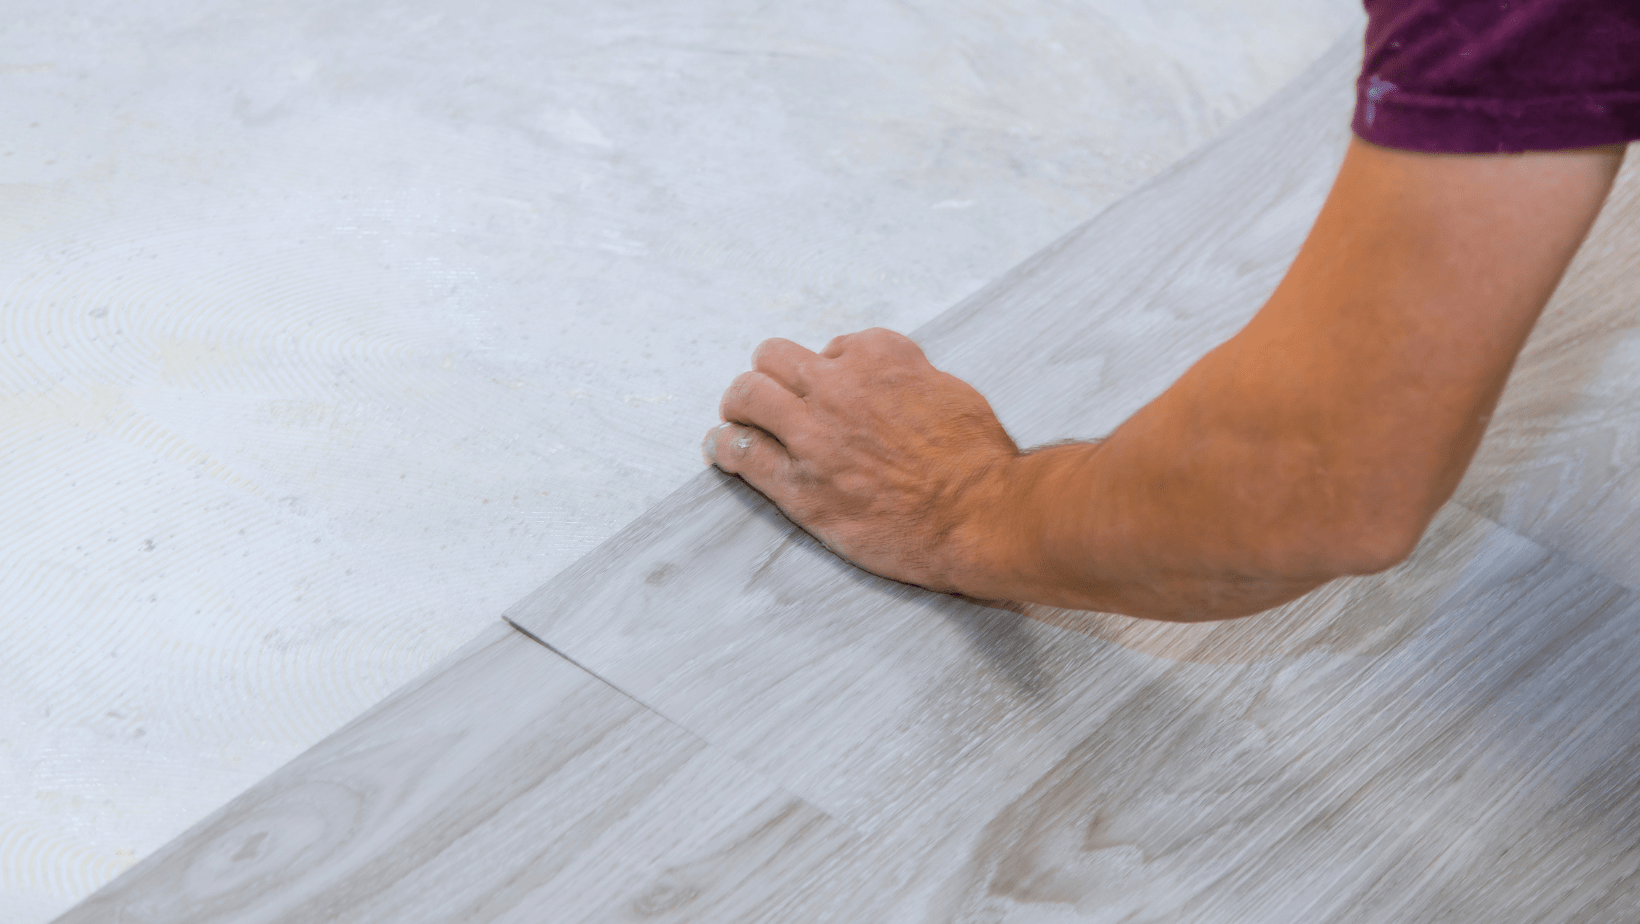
{"points": [[328, 330]]}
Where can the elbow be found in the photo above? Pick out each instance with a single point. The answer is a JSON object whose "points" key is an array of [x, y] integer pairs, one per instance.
{"points": [[1285, 571], [1378, 525], [1370, 538], [1374, 546], [1310, 558], [1361, 521], [1381, 522]]}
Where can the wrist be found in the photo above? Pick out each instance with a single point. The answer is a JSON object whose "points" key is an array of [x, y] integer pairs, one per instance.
{"points": [[992, 545], [1013, 517]]}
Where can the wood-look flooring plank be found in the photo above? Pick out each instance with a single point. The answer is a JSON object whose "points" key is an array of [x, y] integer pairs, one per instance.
{"points": [[507, 785], [1457, 741], [1561, 459], [1459, 735]]}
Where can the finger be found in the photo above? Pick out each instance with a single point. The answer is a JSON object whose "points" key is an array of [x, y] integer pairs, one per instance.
{"points": [[890, 342], [873, 339], [750, 453], [757, 400], [834, 348], [785, 362]]}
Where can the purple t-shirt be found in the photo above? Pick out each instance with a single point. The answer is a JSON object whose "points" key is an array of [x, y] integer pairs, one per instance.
{"points": [[1473, 76]]}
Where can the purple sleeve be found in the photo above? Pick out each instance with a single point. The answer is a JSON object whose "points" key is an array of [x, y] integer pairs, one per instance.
{"points": [[1474, 76]]}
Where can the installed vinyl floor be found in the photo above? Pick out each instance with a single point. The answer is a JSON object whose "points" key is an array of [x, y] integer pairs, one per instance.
{"points": [[725, 723]]}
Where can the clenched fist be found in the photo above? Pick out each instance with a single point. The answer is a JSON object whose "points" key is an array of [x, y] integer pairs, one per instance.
{"points": [[893, 464]]}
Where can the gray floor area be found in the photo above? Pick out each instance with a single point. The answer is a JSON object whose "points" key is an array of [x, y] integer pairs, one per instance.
{"points": [[709, 718], [331, 330]]}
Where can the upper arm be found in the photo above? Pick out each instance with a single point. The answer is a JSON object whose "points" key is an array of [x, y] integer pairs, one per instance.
{"points": [[1385, 348]]}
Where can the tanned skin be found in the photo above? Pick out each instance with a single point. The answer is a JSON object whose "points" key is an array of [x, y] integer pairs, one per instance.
{"points": [[1317, 442]]}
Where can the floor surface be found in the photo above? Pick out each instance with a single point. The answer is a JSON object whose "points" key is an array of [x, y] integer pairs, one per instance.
{"points": [[332, 329], [709, 718]]}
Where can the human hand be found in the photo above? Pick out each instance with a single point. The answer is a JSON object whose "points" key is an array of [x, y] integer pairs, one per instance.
{"points": [[894, 465]]}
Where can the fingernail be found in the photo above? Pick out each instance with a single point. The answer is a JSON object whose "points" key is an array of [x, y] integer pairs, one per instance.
{"points": [[711, 442]]}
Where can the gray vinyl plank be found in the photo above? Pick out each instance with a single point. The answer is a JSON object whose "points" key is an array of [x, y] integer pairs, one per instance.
{"points": [[1457, 741], [1458, 735], [1561, 459], [506, 785]]}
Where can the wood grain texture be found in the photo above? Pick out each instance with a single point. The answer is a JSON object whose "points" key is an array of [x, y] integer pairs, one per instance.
{"points": [[1458, 736], [507, 785], [1561, 459], [1457, 741]]}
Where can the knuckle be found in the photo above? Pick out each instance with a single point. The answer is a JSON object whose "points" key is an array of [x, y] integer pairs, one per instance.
{"points": [[742, 440], [799, 444], [901, 344], [884, 342], [738, 392], [768, 352], [871, 337]]}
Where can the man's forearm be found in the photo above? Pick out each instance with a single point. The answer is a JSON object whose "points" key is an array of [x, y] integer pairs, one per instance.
{"points": [[1193, 509], [1319, 441], [1055, 555]]}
